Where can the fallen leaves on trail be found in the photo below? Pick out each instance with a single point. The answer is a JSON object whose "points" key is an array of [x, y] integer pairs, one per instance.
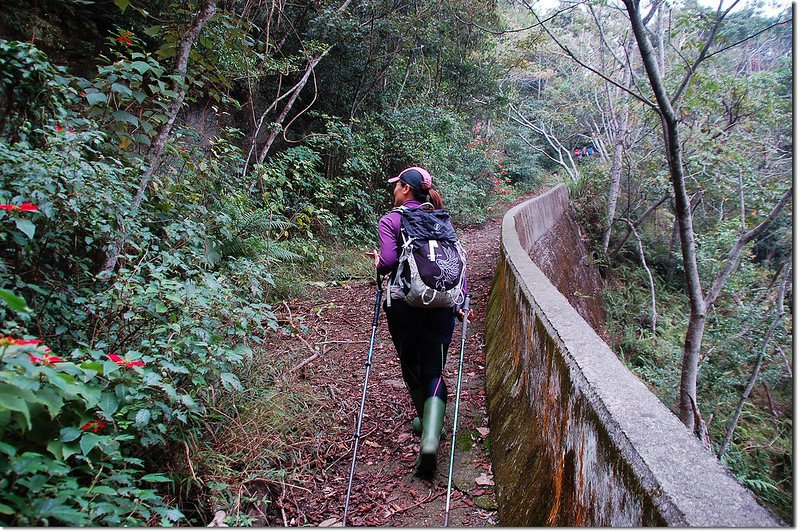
{"points": [[325, 337]]}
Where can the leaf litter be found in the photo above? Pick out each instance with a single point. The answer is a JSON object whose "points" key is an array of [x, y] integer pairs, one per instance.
{"points": [[325, 339]]}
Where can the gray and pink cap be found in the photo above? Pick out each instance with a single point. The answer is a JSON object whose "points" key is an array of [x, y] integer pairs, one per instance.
{"points": [[416, 177]]}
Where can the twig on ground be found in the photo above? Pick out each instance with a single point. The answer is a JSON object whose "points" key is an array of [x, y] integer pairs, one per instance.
{"points": [[280, 504], [189, 461], [310, 359], [279, 483]]}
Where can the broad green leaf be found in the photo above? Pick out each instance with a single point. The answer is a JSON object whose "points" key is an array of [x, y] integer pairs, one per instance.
{"points": [[6, 510], [95, 98], [56, 508], [11, 401], [230, 382], [56, 448], [122, 4], [174, 515], [69, 449], [69, 434], [122, 89], [161, 308], [141, 66], [26, 226], [170, 389], [108, 403], [125, 116], [16, 303], [92, 365], [142, 418], [88, 441], [152, 31], [8, 449], [105, 490], [187, 400], [139, 96], [156, 477], [52, 400]]}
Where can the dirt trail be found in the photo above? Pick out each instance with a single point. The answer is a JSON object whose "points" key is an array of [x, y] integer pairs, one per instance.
{"points": [[386, 492]]}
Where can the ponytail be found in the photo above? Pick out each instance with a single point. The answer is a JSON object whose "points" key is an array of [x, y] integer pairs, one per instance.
{"points": [[428, 195], [436, 198]]}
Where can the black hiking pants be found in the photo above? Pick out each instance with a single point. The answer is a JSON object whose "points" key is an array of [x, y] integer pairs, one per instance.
{"points": [[421, 337]]}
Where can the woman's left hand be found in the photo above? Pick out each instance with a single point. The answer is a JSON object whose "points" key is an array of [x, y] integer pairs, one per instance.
{"points": [[460, 315], [374, 255]]}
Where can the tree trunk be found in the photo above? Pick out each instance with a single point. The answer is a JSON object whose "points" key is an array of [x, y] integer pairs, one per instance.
{"points": [[290, 103], [673, 150], [620, 136], [156, 150]]}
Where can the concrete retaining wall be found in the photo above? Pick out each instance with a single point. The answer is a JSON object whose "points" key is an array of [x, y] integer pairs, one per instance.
{"points": [[577, 439]]}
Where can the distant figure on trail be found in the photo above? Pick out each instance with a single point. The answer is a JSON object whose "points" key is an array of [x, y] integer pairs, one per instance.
{"points": [[421, 325]]}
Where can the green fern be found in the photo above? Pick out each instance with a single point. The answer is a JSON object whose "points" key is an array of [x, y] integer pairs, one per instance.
{"points": [[254, 232]]}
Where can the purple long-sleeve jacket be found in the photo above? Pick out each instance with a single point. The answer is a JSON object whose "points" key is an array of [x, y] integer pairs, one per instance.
{"points": [[389, 236]]}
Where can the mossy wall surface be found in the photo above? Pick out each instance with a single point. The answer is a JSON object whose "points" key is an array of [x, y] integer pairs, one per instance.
{"points": [[577, 440]]}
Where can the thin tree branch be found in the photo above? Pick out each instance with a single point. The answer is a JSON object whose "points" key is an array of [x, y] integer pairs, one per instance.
{"points": [[638, 222], [757, 366], [703, 53], [733, 256], [517, 30], [653, 313], [753, 36], [589, 68]]}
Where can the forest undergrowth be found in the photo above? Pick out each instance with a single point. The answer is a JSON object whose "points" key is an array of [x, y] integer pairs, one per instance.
{"points": [[172, 173]]}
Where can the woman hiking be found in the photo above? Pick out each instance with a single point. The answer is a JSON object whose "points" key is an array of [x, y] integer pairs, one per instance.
{"points": [[421, 329]]}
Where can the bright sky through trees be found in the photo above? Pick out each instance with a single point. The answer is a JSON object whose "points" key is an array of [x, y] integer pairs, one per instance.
{"points": [[768, 7]]}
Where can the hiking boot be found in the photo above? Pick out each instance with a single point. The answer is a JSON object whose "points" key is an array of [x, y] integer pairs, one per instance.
{"points": [[418, 398], [416, 426], [432, 424]]}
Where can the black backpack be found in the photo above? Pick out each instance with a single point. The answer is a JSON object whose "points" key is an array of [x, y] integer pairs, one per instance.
{"points": [[432, 263]]}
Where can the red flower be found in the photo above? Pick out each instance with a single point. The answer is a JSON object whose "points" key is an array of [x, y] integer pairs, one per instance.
{"points": [[7, 340], [45, 360], [25, 207], [27, 342], [95, 425], [59, 128], [182, 149], [124, 361], [125, 38], [28, 207]]}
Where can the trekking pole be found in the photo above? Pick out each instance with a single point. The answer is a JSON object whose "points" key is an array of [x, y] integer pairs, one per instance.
{"points": [[455, 413], [368, 363]]}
